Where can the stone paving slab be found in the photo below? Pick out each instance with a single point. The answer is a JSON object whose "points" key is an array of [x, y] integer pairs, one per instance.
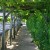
{"points": [[22, 41]]}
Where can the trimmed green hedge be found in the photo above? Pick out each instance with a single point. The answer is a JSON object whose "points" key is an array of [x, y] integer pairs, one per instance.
{"points": [[40, 30]]}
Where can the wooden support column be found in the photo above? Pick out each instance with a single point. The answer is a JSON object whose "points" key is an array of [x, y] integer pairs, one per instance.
{"points": [[3, 34], [11, 31], [13, 20], [14, 27]]}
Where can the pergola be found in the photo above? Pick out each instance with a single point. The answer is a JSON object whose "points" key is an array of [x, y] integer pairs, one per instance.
{"points": [[12, 7], [8, 26]]}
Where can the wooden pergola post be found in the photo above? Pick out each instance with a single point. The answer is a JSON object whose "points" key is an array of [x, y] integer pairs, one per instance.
{"points": [[11, 31], [3, 34], [14, 26], [13, 21]]}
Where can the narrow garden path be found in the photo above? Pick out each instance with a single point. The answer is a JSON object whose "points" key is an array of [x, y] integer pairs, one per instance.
{"points": [[22, 41]]}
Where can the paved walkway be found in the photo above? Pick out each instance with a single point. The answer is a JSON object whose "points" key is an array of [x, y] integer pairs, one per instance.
{"points": [[22, 41]]}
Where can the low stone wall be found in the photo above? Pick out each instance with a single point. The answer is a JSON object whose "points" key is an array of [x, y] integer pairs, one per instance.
{"points": [[6, 37]]}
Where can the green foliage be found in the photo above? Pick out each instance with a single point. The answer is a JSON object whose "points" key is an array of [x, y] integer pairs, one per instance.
{"points": [[8, 19], [38, 26], [1, 18]]}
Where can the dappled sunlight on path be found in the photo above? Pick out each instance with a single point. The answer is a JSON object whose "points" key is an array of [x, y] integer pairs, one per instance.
{"points": [[22, 41]]}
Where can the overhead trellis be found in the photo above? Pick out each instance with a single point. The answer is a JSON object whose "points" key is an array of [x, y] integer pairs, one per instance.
{"points": [[16, 5]]}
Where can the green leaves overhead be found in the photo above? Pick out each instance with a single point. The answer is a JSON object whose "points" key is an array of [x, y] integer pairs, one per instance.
{"points": [[24, 14], [25, 4]]}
